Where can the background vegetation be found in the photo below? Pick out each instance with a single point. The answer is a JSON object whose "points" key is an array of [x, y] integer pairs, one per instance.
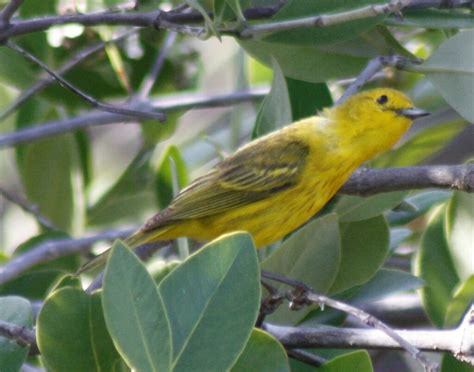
{"points": [[78, 172]]}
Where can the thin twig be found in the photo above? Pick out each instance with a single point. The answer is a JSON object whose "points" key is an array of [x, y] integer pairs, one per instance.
{"points": [[20, 334], [8, 11], [304, 295], [447, 340], [373, 181], [52, 249], [158, 19], [394, 6], [176, 102], [92, 101], [372, 68], [28, 207], [151, 77], [77, 58]]}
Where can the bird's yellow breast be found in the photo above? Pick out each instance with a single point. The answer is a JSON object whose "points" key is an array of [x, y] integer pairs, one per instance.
{"points": [[272, 218]]}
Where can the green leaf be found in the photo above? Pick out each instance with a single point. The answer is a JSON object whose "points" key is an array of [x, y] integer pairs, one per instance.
{"points": [[312, 255], [311, 36], [307, 98], [451, 364], [171, 168], [48, 174], [460, 228], [422, 201], [383, 284], [14, 310], [461, 301], [71, 333], [357, 208], [131, 189], [307, 63], [212, 300], [451, 70], [275, 110], [134, 312], [435, 266], [262, 353], [356, 361], [397, 236], [15, 70], [364, 248]]}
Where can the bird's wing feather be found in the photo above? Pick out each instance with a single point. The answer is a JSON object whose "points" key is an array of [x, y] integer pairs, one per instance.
{"points": [[241, 179]]}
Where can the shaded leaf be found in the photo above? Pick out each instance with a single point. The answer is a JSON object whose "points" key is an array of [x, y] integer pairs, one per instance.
{"points": [[460, 232], [212, 300], [355, 361], [14, 310], [81, 342], [364, 246], [451, 70], [357, 208], [436, 268], [312, 255], [307, 98], [262, 353], [134, 312]]}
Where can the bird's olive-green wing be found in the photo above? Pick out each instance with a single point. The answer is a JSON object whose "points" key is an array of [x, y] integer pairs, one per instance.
{"points": [[251, 174]]}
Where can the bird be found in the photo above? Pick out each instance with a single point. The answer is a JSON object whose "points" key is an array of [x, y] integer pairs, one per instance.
{"points": [[274, 184]]}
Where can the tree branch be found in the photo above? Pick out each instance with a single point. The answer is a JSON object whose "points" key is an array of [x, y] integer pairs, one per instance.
{"points": [[27, 207], [374, 66], [161, 19], [90, 100], [170, 103], [370, 11], [21, 335], [457, 342], [8, 11], [77, 58], [52, 249], [373, 181], [303, 295]]}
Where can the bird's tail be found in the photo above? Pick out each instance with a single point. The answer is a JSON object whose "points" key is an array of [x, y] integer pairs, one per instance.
{"points": [[133, 241]]}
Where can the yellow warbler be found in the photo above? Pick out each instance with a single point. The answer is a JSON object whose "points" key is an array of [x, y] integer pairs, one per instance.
{"points": [[274, 184]]}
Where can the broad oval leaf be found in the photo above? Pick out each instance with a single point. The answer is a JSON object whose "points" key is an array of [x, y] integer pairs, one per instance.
{"points": [[451, 70], [134, 312], [355, 361], [312, 255], [212, 300], [262, 353], [460, 232], [81, 342], [461, 301], [435, 266], [15, 310], [356, 208], [364, 246], [311, 36]]}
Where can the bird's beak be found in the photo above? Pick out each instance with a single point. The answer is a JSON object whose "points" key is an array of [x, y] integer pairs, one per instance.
{"points": [[412, 113]]}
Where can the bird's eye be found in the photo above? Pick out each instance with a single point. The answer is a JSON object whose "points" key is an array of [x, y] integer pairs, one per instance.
{"points": [[383, 99]]}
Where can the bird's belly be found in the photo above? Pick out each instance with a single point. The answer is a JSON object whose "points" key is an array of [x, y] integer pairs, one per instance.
{"points": [[267, 220]]}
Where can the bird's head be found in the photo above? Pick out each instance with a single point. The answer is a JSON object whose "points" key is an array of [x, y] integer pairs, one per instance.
{"points": [[376, 118]]}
